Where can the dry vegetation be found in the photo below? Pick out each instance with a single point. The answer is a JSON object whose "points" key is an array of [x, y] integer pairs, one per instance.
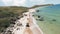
{"points": [[11, 12], [35, 6], [8, 13]]}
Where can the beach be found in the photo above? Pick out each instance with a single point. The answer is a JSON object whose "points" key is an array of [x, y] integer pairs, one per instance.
{"points": [[26, 25], [51, 19]]}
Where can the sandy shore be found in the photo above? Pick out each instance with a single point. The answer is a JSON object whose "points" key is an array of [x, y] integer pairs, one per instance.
{"points": [[32, 28]]}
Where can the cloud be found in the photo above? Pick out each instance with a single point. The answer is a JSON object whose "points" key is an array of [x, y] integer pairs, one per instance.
{"points": [[27, 2], [37, 1], [14, 2], [22, 2], [6, 2], [19, 2], [34, 2]]}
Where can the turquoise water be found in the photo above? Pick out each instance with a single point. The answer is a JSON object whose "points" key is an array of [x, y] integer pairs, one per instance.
{"points": [[49, 13]]}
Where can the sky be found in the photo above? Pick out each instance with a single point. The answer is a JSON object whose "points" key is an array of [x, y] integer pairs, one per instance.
{"points": [[27, 3]]}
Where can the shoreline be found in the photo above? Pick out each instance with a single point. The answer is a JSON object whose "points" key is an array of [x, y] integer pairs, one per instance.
{"points": [[23, 20]]}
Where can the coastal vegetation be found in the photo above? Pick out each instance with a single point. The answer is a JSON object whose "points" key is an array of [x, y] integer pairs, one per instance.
{"points": [[36, 6], [8, 14]]}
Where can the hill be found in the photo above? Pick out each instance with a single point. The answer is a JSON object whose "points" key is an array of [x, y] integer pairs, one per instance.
{"points": [[35, 6], [10, 12]]}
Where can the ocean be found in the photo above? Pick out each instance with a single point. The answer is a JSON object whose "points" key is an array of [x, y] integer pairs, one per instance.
{"points": [[50, 24]]}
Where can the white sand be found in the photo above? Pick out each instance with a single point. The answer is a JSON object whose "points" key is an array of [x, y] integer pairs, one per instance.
{"points": [[33, 29]]}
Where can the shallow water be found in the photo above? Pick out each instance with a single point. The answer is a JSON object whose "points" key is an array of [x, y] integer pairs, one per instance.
{"points": [[51, 16]]}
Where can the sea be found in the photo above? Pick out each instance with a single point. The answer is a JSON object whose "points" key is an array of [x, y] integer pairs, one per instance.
{"points": [[50, 22]]}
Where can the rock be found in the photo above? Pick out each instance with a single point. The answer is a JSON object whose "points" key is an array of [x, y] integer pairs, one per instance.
{"points": [[6, 26], [41, 19], [27, 25], [53, 20], [25, 14], [12, 22], [18, 28], [13, 19], [11, 25], [37, 10], [39, 16], [32, 15], [17, 17], [19, 24], [9, 32], [2, 30]]}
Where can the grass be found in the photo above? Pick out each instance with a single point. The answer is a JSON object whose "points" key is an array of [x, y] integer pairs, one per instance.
{"points": [[8, 13], [11, 12]]}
